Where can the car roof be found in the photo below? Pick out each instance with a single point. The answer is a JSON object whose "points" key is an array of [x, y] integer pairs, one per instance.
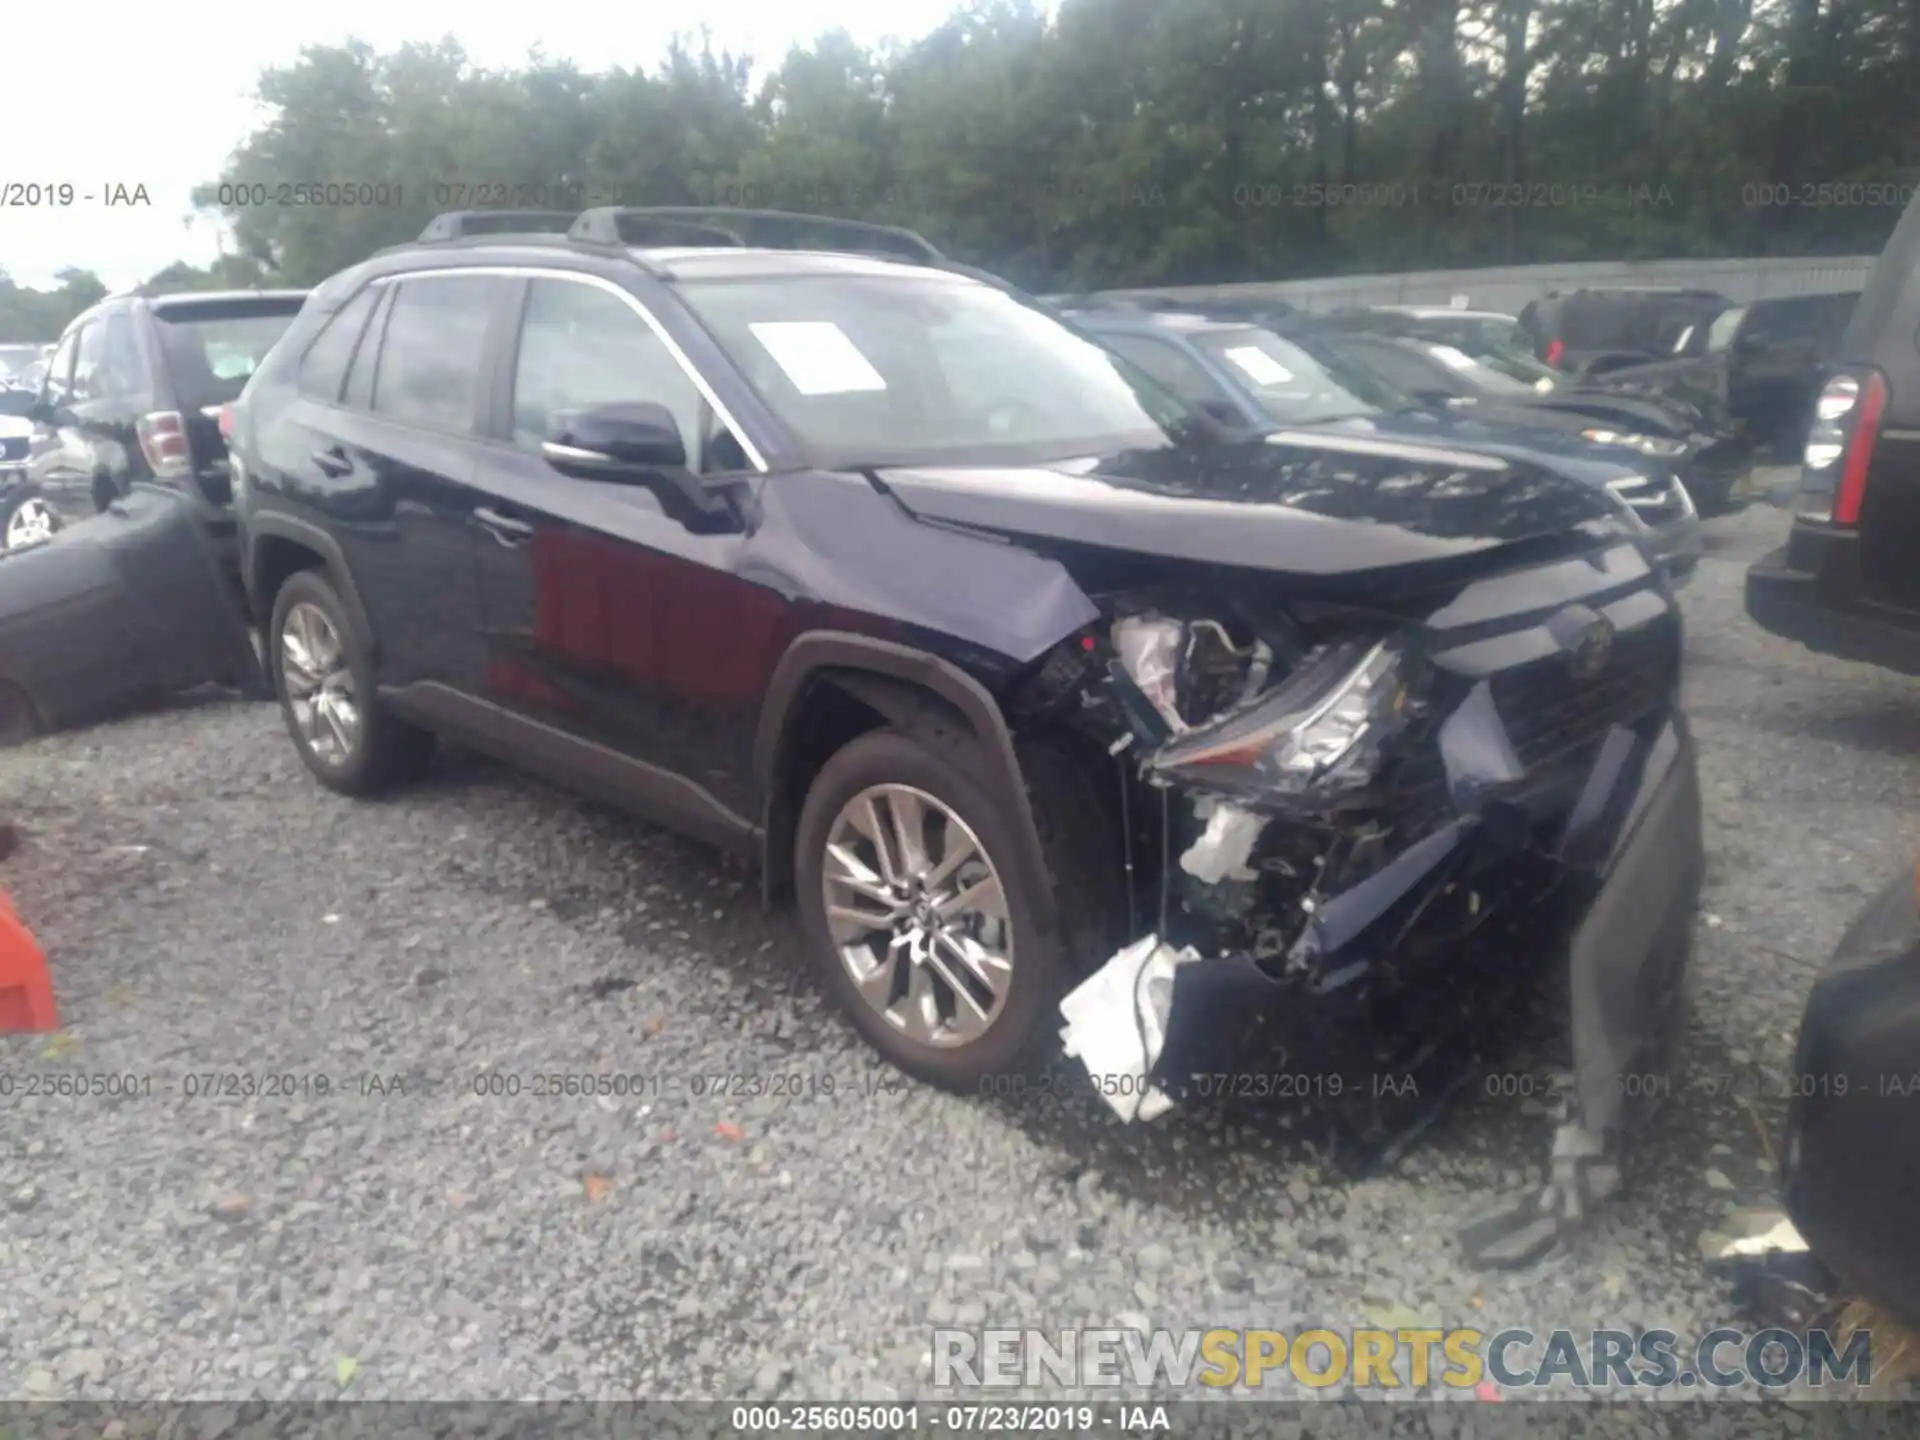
{"points": [[663, 262], [743, 263]]}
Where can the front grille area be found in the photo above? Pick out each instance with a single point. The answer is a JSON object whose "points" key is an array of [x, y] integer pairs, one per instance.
{"points": [[1549, 713], [1656, 500]]}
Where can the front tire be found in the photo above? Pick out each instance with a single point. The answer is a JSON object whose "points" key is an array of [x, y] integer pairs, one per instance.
{"points": [[920, 913], [324, 678]]}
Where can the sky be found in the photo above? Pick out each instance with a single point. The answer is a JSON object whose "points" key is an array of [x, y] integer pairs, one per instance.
{"points": [[160, 102]]}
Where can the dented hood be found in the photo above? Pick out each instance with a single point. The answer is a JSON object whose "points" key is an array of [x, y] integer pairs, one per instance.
{"points": [[1296, 501]]}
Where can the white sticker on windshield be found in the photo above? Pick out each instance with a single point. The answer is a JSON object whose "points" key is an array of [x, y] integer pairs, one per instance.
{"points": [[818, 357], [1457, 359], [1261, 367]]}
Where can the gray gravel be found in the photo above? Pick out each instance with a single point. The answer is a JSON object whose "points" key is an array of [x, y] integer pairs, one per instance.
{"points": [[210, 910]]}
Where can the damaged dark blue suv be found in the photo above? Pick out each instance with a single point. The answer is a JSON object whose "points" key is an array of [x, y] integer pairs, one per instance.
{"points": [[1033, 682]]}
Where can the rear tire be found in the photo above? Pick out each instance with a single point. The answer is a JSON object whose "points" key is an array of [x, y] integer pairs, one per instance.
{"points": [[950, 776], [27, 517], [324, 680]]}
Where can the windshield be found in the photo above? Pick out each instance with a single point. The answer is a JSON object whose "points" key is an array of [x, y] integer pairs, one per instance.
{"points": [[1295, 384], [211, 354], [1528, 369], [17, 359], [1479, 373], [916, 369], [1471, 332]]}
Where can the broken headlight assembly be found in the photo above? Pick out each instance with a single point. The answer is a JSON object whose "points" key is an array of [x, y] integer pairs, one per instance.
{"points": [[1325, 725]]}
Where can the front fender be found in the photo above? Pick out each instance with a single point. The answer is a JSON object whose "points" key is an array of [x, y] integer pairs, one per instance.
{"points": [[900, 668]]}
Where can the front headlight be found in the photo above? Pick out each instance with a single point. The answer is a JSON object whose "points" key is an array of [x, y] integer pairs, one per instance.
{"points": [[1645, 444], [1324, 725]]}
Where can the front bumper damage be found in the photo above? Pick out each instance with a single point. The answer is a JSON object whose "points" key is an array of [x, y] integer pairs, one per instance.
{"points": [[1318, 943]]}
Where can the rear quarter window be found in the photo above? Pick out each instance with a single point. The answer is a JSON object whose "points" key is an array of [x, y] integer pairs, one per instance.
{"points": [[323, 369]]}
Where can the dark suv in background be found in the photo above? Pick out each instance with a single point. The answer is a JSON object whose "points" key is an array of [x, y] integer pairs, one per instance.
{"points": [[134, 391], [1015, 666], [1845, 582], [1601, 328]]}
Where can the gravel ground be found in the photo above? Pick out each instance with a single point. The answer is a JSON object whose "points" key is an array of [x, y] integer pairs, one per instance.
{"points": [[210, 911]]}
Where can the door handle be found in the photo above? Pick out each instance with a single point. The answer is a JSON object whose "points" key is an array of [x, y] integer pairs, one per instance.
{"points": [[332, 461], [503, 528]]}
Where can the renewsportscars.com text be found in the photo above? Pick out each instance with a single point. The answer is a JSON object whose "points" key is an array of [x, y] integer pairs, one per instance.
{"points": [[1401, 1359]]}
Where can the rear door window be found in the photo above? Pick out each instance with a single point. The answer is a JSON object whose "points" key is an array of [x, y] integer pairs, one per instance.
{"points": [[431, 351], [210, 351]]}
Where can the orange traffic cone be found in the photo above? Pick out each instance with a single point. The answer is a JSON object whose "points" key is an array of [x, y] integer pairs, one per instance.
{"points": [[26, 990]]}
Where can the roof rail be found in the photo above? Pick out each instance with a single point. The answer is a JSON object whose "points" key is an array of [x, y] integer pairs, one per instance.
{"points": [[459, 224], [775, 229]]}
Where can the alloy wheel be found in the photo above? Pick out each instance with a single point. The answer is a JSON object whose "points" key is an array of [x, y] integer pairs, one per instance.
{"points": [[31, 523], [918, 915], [319, 684]]}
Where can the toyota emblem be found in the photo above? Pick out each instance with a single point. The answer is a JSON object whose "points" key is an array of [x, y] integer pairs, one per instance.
{"points": [[1589, 654]]}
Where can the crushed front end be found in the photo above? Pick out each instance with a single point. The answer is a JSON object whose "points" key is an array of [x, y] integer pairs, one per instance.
{"points": [[1355, 823]]}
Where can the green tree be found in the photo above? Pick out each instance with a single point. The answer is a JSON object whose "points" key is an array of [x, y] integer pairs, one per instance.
{"points": [[1127, 142]]}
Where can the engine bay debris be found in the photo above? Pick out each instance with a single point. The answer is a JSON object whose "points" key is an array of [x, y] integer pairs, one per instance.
{"points": [[1116, 1025], [1360, 822]]}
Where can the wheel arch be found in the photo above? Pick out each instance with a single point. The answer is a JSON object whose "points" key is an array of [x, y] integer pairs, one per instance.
{"points": [[281, 545], [831, 686]]}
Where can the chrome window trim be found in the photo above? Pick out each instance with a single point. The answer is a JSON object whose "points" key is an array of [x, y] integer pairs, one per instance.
{"points": [[634, 303]]}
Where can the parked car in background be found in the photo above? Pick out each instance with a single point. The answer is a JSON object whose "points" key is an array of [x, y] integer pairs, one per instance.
{"points": [[133, 392], [16, 358], [1845, 583], [1475, 331], [118, 612], [1711, 456], [25, 518], [1596, 329], [879, 573], [1852, 1150], [1765, 361], [1288, 374]]}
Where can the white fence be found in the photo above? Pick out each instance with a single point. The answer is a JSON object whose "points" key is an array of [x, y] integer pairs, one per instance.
{"points": [[1510, 288]]}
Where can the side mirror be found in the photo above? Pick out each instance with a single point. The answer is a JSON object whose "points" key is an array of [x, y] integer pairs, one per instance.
{"points": [[632, 442], [1434, 396], [638, 443], [1225, 411]]}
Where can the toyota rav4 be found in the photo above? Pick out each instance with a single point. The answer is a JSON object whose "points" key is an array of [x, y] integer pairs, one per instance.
{"points": [[1048, 695]]}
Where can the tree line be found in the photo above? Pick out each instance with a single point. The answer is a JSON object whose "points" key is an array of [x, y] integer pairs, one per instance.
{"points": [[1141, 142]]}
